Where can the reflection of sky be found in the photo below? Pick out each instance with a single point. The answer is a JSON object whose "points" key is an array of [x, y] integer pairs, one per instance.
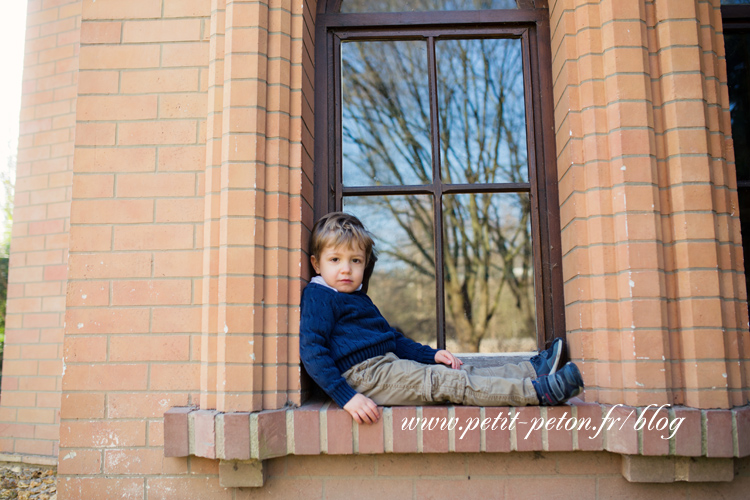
{"points": [[392, 101], [386, 112]]}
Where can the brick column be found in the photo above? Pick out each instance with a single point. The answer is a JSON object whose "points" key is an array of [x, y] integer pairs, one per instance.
{"points": [[32, 368], [260, 140], [653, 283]]}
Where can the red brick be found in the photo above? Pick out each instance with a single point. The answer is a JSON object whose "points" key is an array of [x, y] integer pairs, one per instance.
{"points": [[160, 132], [134, 462], [404, 440], [621, 434], [719, 439], [110, 265], [165, 320], [100, 487], [90, 238], [435, 440], [366, 488], [155, 237], [590, 439], [236, 436], [80, 462], [109, 377], [104, 32], [484, 488], [82, 405], [115, 108], [307, 430], [176, 442], [742, 418], [84, 321], [552, 487], [205, 433], [188, 488], [112, 211], [527, 422], [149, 348], [272, 440], [94, 186], [186, 8], [119, 56], [88, 293], [85, 349], [371, 439], [182, 158], [115, 160], [139, 405], [133, 9], [155, 185], [175, 377], [559, 440], [339, 431], [181, 30], [102, 434], [655, 442], [152, 292], [466, 439]]}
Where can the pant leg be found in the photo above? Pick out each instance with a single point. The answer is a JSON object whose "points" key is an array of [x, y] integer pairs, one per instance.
{"points": [[521, 370], [388, 380]]}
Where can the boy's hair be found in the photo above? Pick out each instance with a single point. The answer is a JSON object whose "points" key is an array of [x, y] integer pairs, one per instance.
{"points": [[337, 228]]}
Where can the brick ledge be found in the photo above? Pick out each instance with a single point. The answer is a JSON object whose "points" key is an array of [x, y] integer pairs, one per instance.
{"points": [[323, 428]]}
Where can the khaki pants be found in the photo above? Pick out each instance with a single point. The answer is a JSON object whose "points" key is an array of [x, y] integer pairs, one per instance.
{"points": [[391, 381]]}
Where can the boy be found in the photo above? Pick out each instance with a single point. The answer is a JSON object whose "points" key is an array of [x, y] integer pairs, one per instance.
{"points": [[351, 351]]}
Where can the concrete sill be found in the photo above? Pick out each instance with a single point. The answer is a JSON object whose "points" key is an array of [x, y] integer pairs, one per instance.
{"points": [[323, 428]]}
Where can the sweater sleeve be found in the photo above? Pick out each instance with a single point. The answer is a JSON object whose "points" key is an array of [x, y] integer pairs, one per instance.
{"points": [[316, 325], [406, 348]]}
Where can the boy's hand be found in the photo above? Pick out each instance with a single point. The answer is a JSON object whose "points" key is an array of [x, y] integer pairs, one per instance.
{"points": [[363, 409], [447, 358]]}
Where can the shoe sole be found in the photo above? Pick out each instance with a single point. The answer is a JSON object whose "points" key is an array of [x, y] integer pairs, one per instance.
{"points": [[557, 350]]}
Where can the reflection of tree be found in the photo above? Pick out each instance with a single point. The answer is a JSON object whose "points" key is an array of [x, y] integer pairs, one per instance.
{"points": [[386, 128]]}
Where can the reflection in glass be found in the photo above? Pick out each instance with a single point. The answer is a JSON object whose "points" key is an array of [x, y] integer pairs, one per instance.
{"points": [[348, 6], [385, 113], [489, 273], [737, 48], [481, 107], [403, 282]]}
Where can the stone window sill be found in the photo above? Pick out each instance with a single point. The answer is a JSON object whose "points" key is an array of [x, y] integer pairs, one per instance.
{"points": [[323, 428]]}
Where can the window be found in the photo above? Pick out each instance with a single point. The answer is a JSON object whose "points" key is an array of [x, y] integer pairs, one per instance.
{"points": [[434, 126], [736, 20]]}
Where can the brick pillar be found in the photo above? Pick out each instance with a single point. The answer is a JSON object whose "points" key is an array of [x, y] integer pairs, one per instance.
{"points": [[260, 140], [652, 265], [32, 368]]}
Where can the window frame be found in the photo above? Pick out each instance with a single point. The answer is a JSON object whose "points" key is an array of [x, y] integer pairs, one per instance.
{"points": [[735, 19], [531, 25]]}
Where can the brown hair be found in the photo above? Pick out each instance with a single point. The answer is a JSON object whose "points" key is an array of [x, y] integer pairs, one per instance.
{"points": [[338, 228]]}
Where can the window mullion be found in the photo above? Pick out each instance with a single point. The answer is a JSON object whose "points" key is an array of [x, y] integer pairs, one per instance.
{"points": [[437, 182]]}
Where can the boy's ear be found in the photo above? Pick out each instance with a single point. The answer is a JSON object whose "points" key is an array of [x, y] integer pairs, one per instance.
{"points": [[314, 262]]}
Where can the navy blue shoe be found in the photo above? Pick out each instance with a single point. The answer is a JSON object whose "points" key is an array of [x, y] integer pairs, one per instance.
{"points": [[546, 362], [559, 387]]}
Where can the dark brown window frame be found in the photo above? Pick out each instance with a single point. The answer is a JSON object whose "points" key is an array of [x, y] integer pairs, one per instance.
{"points": [[735, 19], [531, 25]]}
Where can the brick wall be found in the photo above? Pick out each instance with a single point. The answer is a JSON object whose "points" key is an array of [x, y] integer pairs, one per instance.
{"points": [[192, 197], [652, 257], [191, 205], [32, 368]]}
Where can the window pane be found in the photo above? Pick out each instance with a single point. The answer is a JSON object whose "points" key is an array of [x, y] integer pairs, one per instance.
{"points": [[482, 111], [403, 283], [489, 273], [348, 6], [385, 113], [735, 2], [738, 74]]}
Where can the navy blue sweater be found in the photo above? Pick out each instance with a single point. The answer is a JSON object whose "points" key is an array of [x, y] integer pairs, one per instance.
{"points": [[339, 330]]}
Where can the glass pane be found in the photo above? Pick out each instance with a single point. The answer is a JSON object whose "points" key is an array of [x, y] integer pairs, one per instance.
{"points": [[482, 111], [489, 273], [385, 113], [737, 47], [735, 2], [403, 282], [348, 6]]}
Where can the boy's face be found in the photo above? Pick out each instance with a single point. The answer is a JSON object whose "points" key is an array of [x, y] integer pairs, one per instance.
{"points": [[341, 267]]}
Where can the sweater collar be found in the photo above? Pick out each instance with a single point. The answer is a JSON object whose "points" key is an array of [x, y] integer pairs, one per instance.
{"points": [[318, 280]]}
